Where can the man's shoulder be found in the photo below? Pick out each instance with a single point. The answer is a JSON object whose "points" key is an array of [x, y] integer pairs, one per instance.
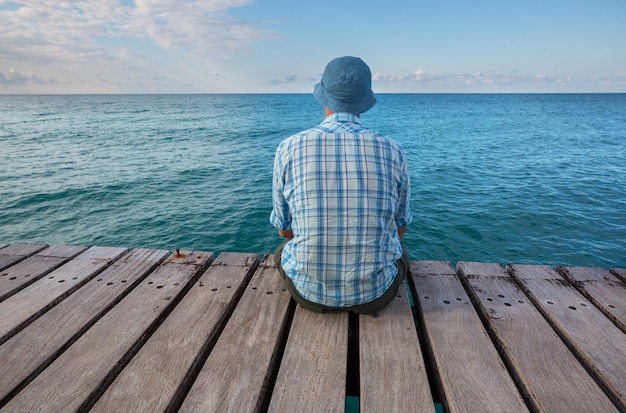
{"points": [[302, 135], [384, 138]]}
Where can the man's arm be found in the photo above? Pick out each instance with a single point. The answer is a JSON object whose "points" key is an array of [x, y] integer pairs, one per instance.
{"points": [[285, 233], [400, 232], [280, 216]]}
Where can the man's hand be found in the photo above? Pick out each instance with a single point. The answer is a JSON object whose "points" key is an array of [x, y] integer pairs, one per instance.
{"points": [[285, 233], [401, 232]]}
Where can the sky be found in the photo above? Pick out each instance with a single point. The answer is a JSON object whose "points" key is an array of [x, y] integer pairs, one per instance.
{"points": [[282, 46]]}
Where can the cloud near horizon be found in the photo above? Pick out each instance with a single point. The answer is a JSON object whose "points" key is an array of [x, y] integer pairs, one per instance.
{"points": [[17, 79], [287, 80], [443, 80], [381, 82]]}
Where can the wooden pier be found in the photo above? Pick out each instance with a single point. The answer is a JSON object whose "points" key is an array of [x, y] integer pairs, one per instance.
{"points": [[106, 329]]}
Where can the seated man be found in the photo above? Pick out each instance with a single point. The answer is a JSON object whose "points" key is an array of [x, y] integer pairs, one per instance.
{"points": [[341, 199]]}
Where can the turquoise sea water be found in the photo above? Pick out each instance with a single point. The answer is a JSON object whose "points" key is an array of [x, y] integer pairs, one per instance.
{"points": [[496, 178]]}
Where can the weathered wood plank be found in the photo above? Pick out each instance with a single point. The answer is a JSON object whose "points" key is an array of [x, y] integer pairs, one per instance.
{"points": [[78, 376], [552, 379], [619, 273], [235, 376], [29, 270], [22, 249], [36, 346], [15, 253], [312, 374], [152, 378], [393, 374], [470, 374], [593, 338], [28, 304], [602, 289], [2, 245]]}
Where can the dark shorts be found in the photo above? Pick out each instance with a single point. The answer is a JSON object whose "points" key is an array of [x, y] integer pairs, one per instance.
{"points": [[367, 308]]}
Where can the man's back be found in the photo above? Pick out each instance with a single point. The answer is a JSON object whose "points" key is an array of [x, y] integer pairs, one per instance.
{"points": [[345, 188]]}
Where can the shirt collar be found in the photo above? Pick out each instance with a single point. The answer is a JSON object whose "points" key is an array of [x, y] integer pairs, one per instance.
{"points": [[342, 117]]}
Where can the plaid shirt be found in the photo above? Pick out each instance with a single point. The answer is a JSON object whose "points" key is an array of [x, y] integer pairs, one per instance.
{"points": [[344, 191]]}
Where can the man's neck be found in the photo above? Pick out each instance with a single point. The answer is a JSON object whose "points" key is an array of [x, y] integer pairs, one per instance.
{"points": [[330, 112]]}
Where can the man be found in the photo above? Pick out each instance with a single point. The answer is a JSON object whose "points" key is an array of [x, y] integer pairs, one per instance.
{"points": [[341, 199]]}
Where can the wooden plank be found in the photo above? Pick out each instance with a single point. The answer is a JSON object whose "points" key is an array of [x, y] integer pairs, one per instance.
{"points": [[2, 245], [15, 253], [469, 372], [551, 377], [62, 250], [312, 374], [36, 346], [78, 377], [31, 302], [151, 380], [392, 372], [602, 289], [619, 273], [237, 373], [29, 270], [593, 338]]}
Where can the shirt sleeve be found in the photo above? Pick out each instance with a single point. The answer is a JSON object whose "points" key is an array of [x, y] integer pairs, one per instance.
{"points": [[404, 216], [280, 217]]}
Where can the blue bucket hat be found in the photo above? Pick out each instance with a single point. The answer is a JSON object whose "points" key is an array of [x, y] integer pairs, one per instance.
{"points": [[346, 86]]}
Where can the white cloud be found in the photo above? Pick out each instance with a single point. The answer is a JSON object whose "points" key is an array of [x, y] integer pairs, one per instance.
{"points": [[551, 78], [93, 46], [484, 81], [43, 30], [14, 78]]}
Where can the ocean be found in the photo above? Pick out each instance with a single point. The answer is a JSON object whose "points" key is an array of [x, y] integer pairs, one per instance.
{"points": [[507, 178]]}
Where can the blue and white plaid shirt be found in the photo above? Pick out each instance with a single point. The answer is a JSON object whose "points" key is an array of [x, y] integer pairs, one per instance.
{"points": [[344, 191]]}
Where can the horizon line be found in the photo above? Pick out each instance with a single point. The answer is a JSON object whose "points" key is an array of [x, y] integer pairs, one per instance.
{"points": [[304, 93]]}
